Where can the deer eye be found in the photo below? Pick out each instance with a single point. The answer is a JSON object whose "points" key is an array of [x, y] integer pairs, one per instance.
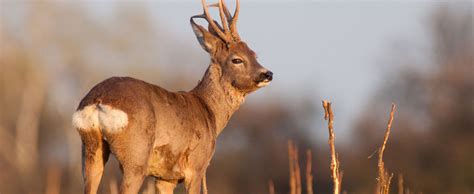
{"points": [[237, 61]]}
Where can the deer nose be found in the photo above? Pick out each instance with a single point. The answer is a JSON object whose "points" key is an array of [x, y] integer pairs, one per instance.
{"points": [[268, 75]]}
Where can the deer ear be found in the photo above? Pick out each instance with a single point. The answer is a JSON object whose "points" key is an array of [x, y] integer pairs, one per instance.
{"points": [[207, 40]]}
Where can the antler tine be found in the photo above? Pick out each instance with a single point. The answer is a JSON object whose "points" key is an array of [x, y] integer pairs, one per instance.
{"points": [[227, 13], [223, 17], [211, 22], [233, 24], [233, 27]]}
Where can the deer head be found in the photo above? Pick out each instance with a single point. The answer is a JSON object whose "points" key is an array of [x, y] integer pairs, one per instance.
{"points": [[236, 62]]}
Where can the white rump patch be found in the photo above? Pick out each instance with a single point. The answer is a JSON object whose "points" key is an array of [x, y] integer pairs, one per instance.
{"points": [[86, 119], [103, 117]]}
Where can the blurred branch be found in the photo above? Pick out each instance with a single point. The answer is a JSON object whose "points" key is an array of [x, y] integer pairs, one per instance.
{"points": [[291, 165], [335, 174], [384, 179], [309, 176], [297, 169]]}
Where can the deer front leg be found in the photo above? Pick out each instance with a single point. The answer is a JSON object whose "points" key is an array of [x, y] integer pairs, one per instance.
{"points": [[193, 182], [165, 187]]}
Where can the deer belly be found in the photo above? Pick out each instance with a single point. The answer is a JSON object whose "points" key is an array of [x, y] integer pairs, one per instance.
{"points": [[166, 165]]}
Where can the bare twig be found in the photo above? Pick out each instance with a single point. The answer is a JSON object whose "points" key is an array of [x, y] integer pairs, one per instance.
{"points": [[335, 174], [384, 178], [309, 176]]}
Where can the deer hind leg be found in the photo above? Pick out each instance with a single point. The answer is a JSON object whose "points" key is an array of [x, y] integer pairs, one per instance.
{"points": [[165, 187], [132, 151], [95, 153], [132, 180], [133, 159]]}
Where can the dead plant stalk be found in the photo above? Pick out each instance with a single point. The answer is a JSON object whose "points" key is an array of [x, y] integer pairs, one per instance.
{"points": [[335, 173], [384, 178], [295, 173]]}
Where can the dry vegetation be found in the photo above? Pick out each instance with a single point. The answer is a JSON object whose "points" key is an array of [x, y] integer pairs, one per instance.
{"points": [[383, 179], [336, 175]]}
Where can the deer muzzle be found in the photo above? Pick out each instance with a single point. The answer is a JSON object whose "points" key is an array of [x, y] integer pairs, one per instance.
{"points": [[264, 78]]}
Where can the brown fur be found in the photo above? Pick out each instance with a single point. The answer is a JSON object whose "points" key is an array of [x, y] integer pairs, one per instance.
{"points": [[169, 135]]}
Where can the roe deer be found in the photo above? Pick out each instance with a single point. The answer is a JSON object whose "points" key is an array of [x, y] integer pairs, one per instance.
{"points": [[168, 135]]}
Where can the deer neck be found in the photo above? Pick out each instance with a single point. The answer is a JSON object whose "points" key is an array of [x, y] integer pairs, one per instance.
{"points": [[219, 96]]}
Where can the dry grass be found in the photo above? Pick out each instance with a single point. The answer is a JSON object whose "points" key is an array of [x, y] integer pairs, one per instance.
{"points": [[295, 171]]}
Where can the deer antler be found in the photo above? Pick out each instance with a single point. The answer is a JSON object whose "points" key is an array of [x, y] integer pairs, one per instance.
{"points": [[223, 17], [233, 25], [228, 32]]}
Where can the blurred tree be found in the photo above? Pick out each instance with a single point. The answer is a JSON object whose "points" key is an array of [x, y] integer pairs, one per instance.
{"points": [[434, 128]]}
